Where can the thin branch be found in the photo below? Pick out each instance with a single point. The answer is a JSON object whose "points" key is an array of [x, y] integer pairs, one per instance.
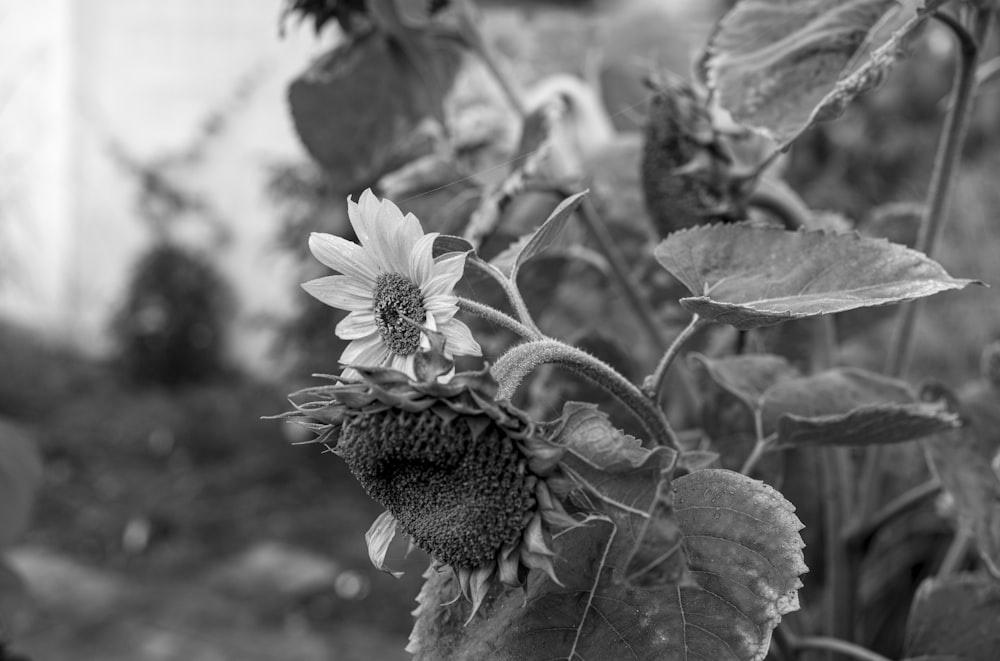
{"points": [[497, 317], [956, 554], [654, 385]]}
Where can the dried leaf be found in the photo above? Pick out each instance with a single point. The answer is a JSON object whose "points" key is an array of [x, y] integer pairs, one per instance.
{"points": [[955, 617], [779, 70], [749, 277], [589, 435]]}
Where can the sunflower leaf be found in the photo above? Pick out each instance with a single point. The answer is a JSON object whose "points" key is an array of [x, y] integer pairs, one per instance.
{"points": [[876, 424], [746, 377], [955, 617], [780, 71], [749, 277], [589, 435], [547, 232], [745, 557]]}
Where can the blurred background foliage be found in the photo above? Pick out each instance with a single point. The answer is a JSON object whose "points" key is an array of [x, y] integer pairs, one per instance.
{"points": [[172, 523]]}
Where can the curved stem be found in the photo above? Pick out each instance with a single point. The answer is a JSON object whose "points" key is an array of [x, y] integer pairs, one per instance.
{"points": [[497, 317], [836, 645], [778, 199], [513, 295], [512, 367], [654, 384]]}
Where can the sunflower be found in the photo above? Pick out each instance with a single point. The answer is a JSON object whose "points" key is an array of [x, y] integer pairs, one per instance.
{"points": [[472, 481], [391, 284]]}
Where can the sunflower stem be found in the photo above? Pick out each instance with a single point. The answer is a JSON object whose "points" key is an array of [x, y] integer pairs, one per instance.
{"points": [[840, 647], [654, 384], [496, 317], [512, 367], [513, 295]]}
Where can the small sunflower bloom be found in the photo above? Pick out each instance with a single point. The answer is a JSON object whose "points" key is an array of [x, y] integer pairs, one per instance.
{"points": [[472, 481], [391, 285]]}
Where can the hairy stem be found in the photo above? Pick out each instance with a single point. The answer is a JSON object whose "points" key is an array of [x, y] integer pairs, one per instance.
{"points": [[496, 317], [513, 295], [512, 367], [654, 384]]}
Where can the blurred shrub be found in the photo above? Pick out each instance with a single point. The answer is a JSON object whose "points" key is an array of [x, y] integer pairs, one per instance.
{"points": [[171, 328]]}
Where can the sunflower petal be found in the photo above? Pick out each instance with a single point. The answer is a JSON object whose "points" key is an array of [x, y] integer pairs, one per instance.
{"points": [[447, 272], [422, 259], [369, 351], [344, 256], [343, 292], [358, 324], [378, 538], [460, 340]]}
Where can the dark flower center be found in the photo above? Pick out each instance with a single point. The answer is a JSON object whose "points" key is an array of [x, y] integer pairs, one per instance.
{"points": [[397, 299], [461, 496]]}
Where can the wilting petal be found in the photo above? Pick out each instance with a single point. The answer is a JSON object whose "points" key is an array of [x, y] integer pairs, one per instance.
{"points": [[479, 586], [342, 255], [447, 272], [509, 565], [378, 537], [343, 292], [357, 325], [460, 340], [422, 259]]}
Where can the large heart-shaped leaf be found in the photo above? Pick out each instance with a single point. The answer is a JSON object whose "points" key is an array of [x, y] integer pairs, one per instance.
{"points": [[744, 555], [955, 618], [749, 277], [779, 68]]}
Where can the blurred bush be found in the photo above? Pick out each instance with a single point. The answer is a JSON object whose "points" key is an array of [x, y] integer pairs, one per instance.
{"points": [[171, 328]]}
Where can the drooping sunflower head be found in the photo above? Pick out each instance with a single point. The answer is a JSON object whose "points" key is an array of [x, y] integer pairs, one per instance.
{"points": [[387, 282], [470, 480]]}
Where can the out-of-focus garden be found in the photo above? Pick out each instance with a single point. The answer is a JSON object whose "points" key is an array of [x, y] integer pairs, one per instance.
{"points": [[147, 512]]}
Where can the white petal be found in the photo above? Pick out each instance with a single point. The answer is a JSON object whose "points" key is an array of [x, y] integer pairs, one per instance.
{"points": [[404, 364], [442, 308], [357, 325], [341, 291], [460, 340], [342, 255], [367, 352], [362, 214], [367, 213], [447, 273], [422, 259], [378, 538], [387, 234]]}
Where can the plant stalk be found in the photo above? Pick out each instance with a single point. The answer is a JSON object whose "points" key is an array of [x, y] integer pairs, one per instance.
{"points": [[496, 317], [654, 385], [512, 367], [513, 295], [841, 647]]}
